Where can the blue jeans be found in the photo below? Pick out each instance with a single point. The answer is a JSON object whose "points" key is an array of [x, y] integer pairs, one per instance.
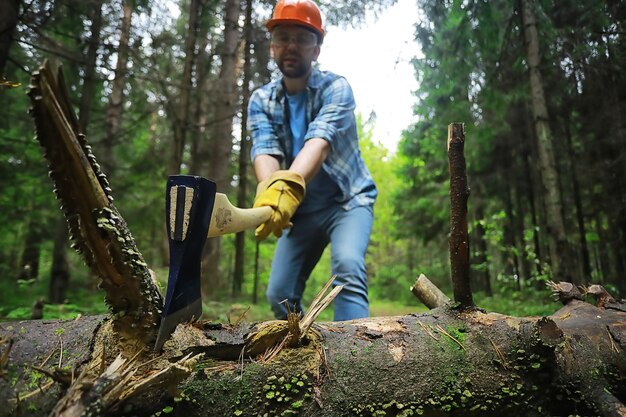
{"points": [[299, 250]]}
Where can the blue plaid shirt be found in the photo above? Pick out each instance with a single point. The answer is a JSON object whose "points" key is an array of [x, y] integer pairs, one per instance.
{"points": [[330, 116]]}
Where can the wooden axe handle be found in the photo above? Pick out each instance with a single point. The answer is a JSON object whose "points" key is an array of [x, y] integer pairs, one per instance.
{"points": [[227, 218]]}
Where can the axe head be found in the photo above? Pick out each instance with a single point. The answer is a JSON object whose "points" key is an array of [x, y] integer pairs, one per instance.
{"points": [[189, 203]]}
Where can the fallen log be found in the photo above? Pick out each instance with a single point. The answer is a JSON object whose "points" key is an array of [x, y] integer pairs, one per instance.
{"points": [[438, 363]]}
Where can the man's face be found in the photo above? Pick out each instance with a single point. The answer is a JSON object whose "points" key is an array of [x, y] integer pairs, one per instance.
{"points": [[294, 48]]}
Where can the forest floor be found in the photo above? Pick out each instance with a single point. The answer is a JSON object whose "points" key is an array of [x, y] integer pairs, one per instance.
{"points": [[85, 298]]}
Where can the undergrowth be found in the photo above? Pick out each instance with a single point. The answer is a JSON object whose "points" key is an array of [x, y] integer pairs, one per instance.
{"points": [[83, 299]]}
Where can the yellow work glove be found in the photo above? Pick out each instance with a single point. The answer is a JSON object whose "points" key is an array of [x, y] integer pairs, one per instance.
{"points": [[283, 191]]}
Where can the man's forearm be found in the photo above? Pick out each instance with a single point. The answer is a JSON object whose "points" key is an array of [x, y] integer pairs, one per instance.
{"points": [[310, 158], [307, 163], [264, 166]]}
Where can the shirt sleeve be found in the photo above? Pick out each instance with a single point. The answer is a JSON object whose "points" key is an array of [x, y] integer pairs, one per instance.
{"points": [[264, 138], [335, 114]]}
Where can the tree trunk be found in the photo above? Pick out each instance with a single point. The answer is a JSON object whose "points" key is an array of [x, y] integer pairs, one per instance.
{"points": [[226, 100], [59, 271], [255, 284], [432, 364], [89, 80], [480, 259], [616, 168], [512, 227], [519, 230], [115, 108], [530, 173], [459, 239], [604, 258], [510, 241], [585, 263], [242, 190], [199, 148], [8, 22], [29, 265], [181, 119], [560, 250]]}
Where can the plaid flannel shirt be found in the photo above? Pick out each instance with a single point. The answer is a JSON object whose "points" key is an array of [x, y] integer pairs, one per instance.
{"points": [[330, 116]]}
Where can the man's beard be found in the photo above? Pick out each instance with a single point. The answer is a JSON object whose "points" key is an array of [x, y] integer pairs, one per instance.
{"points": [[297, 71]]}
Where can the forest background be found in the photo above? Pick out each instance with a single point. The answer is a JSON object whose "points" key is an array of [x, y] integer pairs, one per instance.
{"points": [[159, 93]]}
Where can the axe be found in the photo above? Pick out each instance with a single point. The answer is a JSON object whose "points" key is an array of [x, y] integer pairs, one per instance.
{"points": [[194, 211]]}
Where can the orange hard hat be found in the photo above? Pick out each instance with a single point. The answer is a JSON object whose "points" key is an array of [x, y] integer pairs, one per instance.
{"points": [[297, 12]]}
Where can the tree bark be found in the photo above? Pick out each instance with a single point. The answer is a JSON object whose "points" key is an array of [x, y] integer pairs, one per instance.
{"points": [[242, 190], [459, 238], [431, 364], [561, 255], [226, 99]]}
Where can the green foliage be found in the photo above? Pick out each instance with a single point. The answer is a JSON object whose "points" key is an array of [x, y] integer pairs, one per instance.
{"points": [[474, 70], [350, 12], [83, 298], [530, 302]]}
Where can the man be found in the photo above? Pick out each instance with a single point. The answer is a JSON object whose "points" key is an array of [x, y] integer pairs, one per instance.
{"points": [[306, 157]]}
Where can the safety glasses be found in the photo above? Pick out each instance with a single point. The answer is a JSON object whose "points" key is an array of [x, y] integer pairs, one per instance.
{"points": [[302, 39]]}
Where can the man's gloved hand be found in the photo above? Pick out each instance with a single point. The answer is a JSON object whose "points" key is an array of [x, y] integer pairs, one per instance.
{"points": [[283, 191]]}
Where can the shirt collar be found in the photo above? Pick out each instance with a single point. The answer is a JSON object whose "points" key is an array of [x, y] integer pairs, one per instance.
{"points": [[314, 81]]}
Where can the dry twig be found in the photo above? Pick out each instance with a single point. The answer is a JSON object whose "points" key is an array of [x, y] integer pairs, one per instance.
{"points": [[440, 329], [503, 361], [427, 330], [318, 305], [613, 345]]}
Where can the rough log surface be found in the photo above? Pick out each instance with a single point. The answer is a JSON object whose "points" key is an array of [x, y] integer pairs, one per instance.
{"points": [[433, 364]]}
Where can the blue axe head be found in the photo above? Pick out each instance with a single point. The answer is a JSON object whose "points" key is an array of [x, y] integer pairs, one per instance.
{"points": [[189, 203]]}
